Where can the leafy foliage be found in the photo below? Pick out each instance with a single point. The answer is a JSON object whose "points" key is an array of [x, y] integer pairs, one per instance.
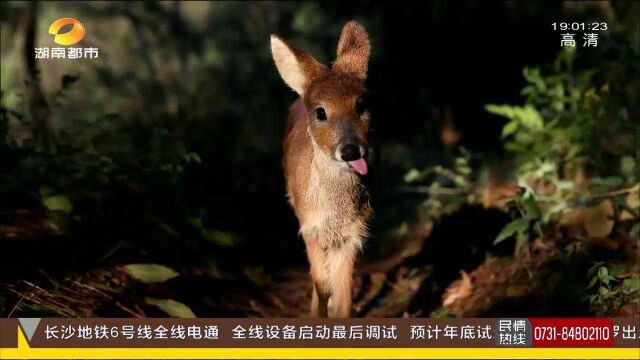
{"points": [[573, 147], [560, 138], [568, 116], [612, 288], [553, 135]]}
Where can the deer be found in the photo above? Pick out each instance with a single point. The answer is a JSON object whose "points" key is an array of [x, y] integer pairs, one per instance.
{"points": [[326, 154]]}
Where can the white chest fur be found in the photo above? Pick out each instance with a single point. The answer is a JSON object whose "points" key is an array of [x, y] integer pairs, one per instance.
{"points": [[332, 200]]}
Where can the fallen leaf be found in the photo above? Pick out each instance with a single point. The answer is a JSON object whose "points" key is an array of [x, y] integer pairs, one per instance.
{"points": [[150, 273], [58, 203], [459, 290], [172, 307], [220, 238], [596, 221]]}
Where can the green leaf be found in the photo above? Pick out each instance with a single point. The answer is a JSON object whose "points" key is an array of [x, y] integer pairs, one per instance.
{"points": [[517, 226], [58, 203], [618, 269], [532, 209], [521, 240], [534, 76], [509, 129], [172, 307], [565, 184], [464, 170], [196, 222], [221, 238], [531, 118], [412, 176], [462, 161], [603, 275], [593, 270], [632, 284], [502, 110], [150, 273], [627, 165], [192, 157]]}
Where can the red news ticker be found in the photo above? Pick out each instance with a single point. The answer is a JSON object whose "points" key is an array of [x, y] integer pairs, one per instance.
{"points": [[572, 332]]}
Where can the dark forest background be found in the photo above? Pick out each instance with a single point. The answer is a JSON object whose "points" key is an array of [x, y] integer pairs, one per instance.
{"points": [[148, 181]]}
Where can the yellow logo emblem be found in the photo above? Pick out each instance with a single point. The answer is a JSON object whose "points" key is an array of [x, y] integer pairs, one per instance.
{"points": [[72, 36]]}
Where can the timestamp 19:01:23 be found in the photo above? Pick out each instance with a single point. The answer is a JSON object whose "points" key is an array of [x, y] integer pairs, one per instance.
{"points": [[575, 26]]}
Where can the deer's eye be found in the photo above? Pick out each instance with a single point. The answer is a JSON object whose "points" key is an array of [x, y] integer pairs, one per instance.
{"points": [[321, 114], [360, 106]]}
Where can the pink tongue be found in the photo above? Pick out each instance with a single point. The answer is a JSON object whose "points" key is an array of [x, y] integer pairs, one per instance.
{"points": [[360, 166]]}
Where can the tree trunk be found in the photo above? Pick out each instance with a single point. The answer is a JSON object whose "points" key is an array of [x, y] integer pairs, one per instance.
{"points": [[37, 109]]}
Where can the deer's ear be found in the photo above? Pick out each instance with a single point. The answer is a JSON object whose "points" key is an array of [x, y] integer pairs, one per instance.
{"points": [[297, 68], [353, 50]]}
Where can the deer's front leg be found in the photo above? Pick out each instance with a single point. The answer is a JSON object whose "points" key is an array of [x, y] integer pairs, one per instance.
{"points": [[319, 276], [341, 261]]}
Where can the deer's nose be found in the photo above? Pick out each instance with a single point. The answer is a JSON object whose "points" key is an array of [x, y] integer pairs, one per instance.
{"points": [[350, 152]]}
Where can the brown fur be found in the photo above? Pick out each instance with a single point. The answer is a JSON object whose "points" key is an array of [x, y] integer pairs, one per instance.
{"points": [[328, 197]]}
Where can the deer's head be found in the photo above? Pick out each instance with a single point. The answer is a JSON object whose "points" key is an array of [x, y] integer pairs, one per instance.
{"points": [[333, 96]]}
